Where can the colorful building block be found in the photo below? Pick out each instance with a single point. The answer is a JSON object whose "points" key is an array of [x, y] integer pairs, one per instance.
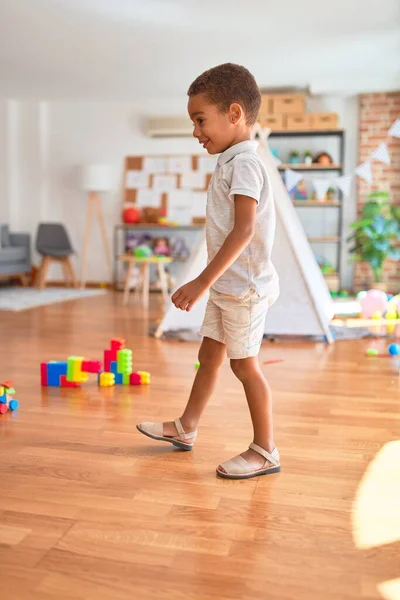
{"points": [[55, 369], [118, 376], [74, 370], [3, 399], [117, 344], [124, 361], [144, 377], [134, 379], [3, 409], [13, 404], [106, 379], [2, 390], [91, 366], [69, 384]]}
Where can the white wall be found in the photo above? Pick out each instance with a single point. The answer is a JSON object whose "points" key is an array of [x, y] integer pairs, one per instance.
{"points": [[42, 145]]}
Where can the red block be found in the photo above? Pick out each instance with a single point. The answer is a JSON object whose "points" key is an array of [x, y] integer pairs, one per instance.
{"points": [[70, 384], [135, 379], [91, 366], [117, 344], [109, 355], [3, 409], [6, 384], [43, 374]]}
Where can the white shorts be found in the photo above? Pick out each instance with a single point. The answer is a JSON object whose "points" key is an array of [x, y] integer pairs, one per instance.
{"points": [[237, 322]]}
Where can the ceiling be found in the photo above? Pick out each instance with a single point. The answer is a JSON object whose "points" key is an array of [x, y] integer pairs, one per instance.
{"points": [[139, 49]]}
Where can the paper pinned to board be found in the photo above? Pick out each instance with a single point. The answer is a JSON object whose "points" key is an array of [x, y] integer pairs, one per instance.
{"points": [[148, 198], [193, 180], [155, 164], [180, 207], [207, 164], [164, 183], [179, 164], [136, 180], [199, 204]]}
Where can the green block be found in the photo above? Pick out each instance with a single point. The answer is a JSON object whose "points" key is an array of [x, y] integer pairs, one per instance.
{"points": [[10, 391], [126, 378], [124, 361], [71, 362]]}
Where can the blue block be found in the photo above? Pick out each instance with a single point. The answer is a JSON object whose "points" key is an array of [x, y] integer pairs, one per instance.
{"points": [[3, 399], [119, 378], [55, 369]]}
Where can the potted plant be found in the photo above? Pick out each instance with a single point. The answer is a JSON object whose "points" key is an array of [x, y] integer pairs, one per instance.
{"points": [[294, 158], [308, 157], [376, 235]]}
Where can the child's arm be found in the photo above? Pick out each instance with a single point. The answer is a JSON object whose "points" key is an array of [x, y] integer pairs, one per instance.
{"points": [[237, 240]]}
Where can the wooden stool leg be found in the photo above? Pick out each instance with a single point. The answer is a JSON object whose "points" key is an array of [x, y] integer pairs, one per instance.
{"points": [[44, 268], [163, 281], [146, 286], [64, 267], [131, 266], [71, 271], [24, 280]]}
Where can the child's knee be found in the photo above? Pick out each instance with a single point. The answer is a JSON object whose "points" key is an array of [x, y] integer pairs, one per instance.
{"points": [[211, 358], [242, 368]]}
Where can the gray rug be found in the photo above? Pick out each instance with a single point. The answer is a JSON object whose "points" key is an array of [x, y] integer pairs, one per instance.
{"points": [[18, 298]]}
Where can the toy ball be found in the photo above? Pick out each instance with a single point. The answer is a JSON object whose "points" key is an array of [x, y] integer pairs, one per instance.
{"points": [[142, 251], [391, 314], [377, 315], [394, 349], [197, 365], [372, 352], [131, 215], [374, 301], [13, 404]]}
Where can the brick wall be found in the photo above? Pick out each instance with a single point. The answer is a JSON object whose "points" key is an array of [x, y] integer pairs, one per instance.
{"points": [[377, 113]]}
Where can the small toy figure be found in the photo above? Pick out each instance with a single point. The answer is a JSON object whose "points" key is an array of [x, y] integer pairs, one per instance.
{"points": [[161, 247], [323, 158]]}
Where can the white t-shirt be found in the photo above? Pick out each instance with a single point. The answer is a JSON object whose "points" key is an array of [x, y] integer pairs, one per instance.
{"points": [[240, 170]]}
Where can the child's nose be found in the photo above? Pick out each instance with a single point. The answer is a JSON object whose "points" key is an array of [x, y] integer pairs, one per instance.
{"points": [[196, 132]]}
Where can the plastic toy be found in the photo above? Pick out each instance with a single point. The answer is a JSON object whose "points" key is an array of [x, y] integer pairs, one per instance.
{"points": [[371, 302], [142, 251], [118, 369], [197, 365], [394, 349], [131, 215], [6, 401]]}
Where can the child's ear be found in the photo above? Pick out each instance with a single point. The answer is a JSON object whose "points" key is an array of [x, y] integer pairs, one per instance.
{"points": [[235, 113]]}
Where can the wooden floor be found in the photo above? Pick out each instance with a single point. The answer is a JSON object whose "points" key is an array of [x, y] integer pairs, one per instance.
{"points": [[92, 510]]}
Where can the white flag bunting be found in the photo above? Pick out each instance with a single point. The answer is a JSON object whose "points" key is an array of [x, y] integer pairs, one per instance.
{"points": [[381, 154], [364, 171], [394, 131], [292, 179], [321, 186], [344, 184]]}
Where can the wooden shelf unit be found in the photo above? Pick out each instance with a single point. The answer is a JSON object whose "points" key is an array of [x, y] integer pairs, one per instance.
{"points": [[312, 167]]}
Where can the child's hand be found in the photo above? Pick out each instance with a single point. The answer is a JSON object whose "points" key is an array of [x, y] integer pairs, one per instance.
{"points": [[187, 295]]}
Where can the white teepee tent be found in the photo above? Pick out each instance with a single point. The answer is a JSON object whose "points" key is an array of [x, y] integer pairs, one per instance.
{"points": [[304, 307]]}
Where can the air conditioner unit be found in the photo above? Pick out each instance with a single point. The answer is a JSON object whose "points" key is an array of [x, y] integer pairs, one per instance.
{"points": [[168, 127]]}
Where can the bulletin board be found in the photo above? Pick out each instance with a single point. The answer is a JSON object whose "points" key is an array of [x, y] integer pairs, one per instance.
{"points": [[174, 184]]}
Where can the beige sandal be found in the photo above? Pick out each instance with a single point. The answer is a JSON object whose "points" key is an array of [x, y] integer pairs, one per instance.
{"points": [[239, 468], [156, 431]]}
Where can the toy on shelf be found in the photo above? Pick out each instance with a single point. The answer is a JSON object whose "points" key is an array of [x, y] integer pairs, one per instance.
{"points": [[372, 302], [117, 369], [7, 402], [131, 215], [161, 247], [300, 191], [323, 158], [142, 251]]}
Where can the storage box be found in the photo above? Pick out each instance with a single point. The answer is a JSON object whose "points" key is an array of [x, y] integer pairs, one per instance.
{"points": [[288, 104], [321, 121], [274, 122], [297, 122], [266, 107]]}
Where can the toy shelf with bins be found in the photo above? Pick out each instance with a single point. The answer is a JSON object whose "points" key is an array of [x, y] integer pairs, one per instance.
{"points": [[188, 232], [336, 169]]}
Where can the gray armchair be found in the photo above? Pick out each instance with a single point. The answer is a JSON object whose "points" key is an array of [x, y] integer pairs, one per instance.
{"points": [[15, 255]]}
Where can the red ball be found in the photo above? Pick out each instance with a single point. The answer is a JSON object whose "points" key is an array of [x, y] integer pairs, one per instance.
{"points": [[131, 215]]}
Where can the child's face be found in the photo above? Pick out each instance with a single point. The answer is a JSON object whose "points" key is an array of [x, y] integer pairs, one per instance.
{"points": [[215, 130]]}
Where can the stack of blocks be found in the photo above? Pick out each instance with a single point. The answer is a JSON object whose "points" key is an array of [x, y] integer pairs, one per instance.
{"points": [[6, 401], [118, 368], [75, 371], [69, 373]]}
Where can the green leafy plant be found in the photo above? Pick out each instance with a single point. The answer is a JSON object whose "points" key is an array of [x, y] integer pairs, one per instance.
{"points": [[376, 234]]}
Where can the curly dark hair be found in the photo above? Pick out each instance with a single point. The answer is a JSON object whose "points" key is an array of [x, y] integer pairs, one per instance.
{"points": [[228, 83]]}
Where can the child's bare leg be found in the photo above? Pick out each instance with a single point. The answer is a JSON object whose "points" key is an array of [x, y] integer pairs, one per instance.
{"points": [[211, 357], [259, 399]]}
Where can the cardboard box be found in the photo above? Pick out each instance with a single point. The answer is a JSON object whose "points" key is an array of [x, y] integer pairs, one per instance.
{"points": [[266, 107], [288, 104], [274, 122], [297, 122], [319, 121]]}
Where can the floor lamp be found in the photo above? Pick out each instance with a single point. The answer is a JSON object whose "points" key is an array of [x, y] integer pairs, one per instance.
{"points": [[95, 179]]}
